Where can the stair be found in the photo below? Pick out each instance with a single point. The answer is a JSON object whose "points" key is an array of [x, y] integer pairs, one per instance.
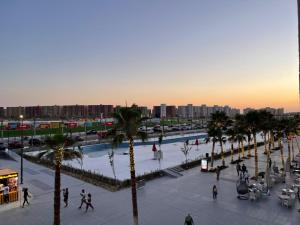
{"points": [[173, 172]]}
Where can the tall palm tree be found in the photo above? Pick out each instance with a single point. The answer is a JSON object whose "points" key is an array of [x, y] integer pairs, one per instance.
{"points": [[265, 127], [231, 134], [279, 132], [127, 122], [241, 129], [58, 152], [213, 134], [252, 120], [220, 121]]}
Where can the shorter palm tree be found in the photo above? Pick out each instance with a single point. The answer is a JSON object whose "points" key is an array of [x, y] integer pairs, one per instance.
{"points": [[231, 133], [58, 152]]}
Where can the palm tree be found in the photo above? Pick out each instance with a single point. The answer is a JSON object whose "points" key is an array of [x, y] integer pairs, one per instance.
{"points": [[127, 122], [265, 127], [58, 152], [231, 133], [240, 126], [220, 121], [279, 129], [252, 120], [212, 133]]}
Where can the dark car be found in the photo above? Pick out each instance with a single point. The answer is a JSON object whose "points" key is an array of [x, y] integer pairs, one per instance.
{"points": [[15, 145], [34, 141], [91, 132]]}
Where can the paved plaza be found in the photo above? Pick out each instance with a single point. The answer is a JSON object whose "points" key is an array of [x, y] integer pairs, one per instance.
{"points": [[162, 201]]}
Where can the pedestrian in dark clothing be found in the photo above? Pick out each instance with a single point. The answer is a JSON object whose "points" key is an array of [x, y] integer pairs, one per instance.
{"points": [[187, 142], [66, 196], [188, 220], [238, 168], [25, 196], [215, 192], [89, 202], [244, 169], [83, 200], [218, 172], [270, 162]]}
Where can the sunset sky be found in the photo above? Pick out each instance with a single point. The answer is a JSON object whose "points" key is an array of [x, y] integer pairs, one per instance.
{"points": [[240, 53]]}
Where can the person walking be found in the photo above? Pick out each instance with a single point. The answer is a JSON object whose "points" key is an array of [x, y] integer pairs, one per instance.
{"points": [[89, 202], [25, 196], [83, 200], [215, 192], [244, 168], [238, 168], [270, 163], [66, 196], [218, 172], [188, 220]]}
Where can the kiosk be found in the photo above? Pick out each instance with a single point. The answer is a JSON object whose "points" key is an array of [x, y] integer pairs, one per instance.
{"points": [[204, 165], [8, 186]]}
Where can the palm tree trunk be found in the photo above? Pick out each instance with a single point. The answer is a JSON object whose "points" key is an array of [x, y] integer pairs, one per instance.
{"points": [[243, 149], [297, 144], [269, 144], [212, 155], [255, 155], [231, 151], [249, 149], [133, 183], [272, 139], [293, 150], [57, 195], [265, 143], [239, 148], [289, 150], [222, 153], [281, 153]]}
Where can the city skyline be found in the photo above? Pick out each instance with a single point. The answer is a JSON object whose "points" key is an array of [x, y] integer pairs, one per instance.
{"points": [[237, 53]]}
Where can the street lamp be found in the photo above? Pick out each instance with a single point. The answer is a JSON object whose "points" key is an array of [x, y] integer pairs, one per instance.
{"points": [[22, 148]]}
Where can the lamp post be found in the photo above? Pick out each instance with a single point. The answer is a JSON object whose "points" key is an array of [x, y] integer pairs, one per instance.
{"points": [[22, 148]]}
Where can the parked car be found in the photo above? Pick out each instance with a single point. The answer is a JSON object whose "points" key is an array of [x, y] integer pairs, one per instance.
{"points": [[2, 146], [91, 132], [34, 141], [15, 145]]}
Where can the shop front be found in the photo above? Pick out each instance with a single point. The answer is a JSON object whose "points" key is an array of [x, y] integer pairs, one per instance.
{"points": [[8, 186]]}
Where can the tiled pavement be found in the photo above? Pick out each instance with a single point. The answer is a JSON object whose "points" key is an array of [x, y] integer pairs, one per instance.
{"points": [[161, 201]]}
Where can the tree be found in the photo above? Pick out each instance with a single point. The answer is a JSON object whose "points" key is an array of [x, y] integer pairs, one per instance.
{"points": [[279, 129], [252, 120], [185, 150], [160, 140], [127, 122], [58, 152], [220, 121], [111, 155], [212, 133], [231, 133], [240, 127], [265, 127]]}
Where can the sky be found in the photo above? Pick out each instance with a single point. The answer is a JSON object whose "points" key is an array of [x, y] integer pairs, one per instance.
{"points": [[240, 53]]}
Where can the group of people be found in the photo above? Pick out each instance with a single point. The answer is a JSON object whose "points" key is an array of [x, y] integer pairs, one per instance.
{"points": [[87, 200], [242, 172], [84, 199]]}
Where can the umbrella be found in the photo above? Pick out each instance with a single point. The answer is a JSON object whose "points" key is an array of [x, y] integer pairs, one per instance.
{"points": [[154, 148]]}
